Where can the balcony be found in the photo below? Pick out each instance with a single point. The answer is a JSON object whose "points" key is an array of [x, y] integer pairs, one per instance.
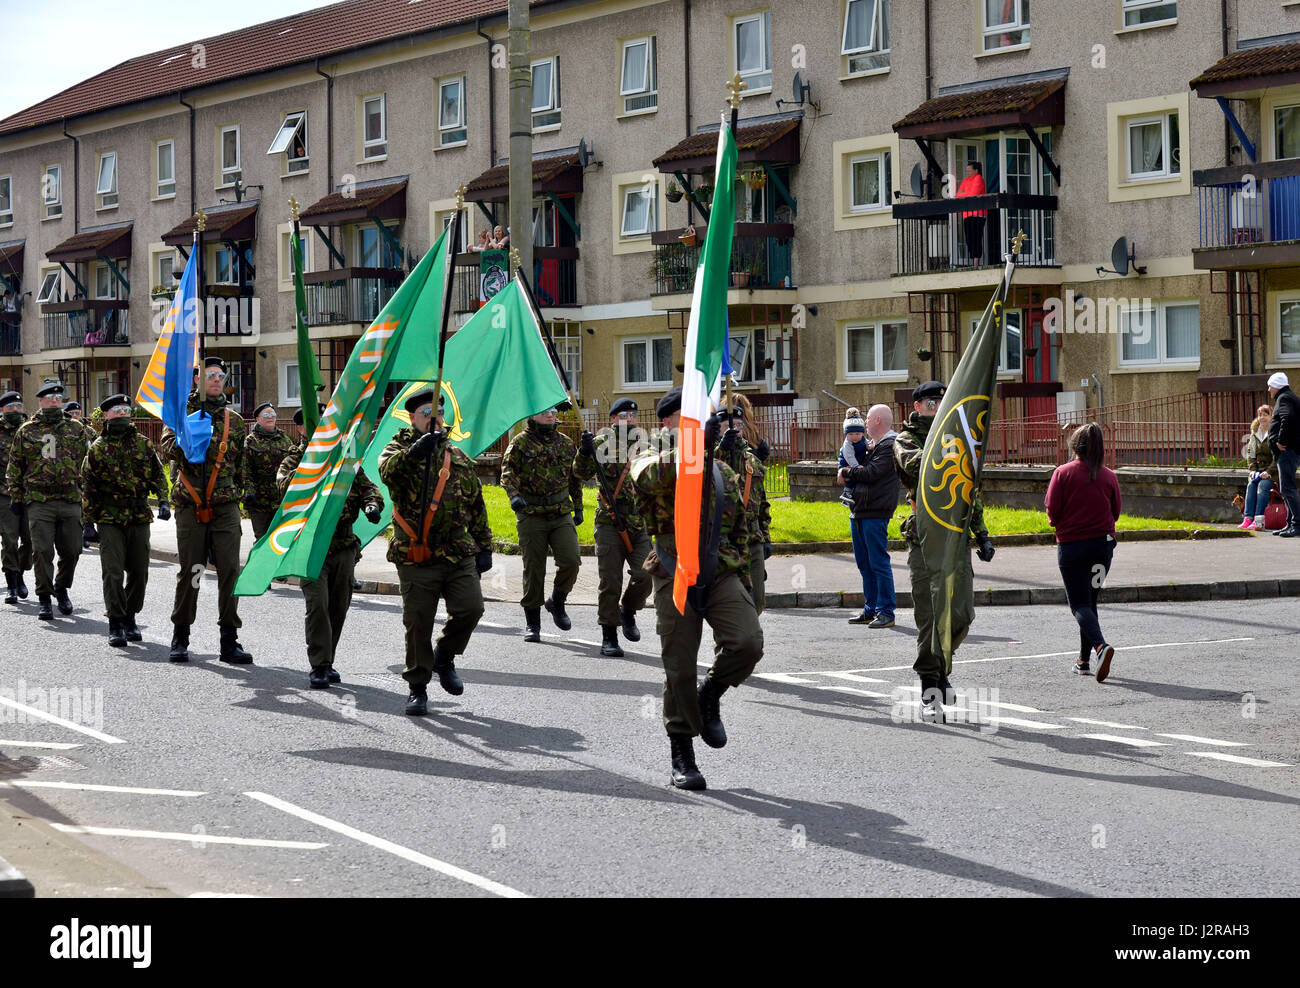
{"points": [[11, 334], [85, 323], [343, 296], [554, 280], [1248, 215], [932, 236], [761, 258]]}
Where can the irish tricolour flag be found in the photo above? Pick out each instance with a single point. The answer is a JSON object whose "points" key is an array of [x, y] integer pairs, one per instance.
{"points": [[706, 342]]}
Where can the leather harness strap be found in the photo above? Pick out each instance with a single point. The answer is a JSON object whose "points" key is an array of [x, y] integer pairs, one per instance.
{"points": [[749, 480], [203, 509], [419, 551]]}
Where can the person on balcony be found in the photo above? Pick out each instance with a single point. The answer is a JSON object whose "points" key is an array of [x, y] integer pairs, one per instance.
{"points": [[1284, 440], [973, 222], [500, 240], [482, 243], [1263, 470]]}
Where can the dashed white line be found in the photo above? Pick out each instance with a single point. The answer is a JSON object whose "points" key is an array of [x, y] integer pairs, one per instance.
{"points": [[89, 787], [1135, 742], [79, 728], [192, 838], [1107, 723], [860, 692], [852, 677], [1036, 725], [1193, 739], [784, 677], [1237, 759], [53, 745], [1057, 655]]}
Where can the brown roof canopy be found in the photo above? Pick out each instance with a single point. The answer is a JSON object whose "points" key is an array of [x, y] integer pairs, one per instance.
{"points": [[557, 172], [11, 258], [1037, 103], [774, 141], [383, 199], [1258, 67], [224, 222], [112, 241]]}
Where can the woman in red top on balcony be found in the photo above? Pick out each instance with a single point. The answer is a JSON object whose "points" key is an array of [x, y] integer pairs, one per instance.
{"points": [[1083, 504], [973, 222]]}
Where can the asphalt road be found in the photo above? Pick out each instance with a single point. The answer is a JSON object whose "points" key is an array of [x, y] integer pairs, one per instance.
{"points": [[1179, 776]]}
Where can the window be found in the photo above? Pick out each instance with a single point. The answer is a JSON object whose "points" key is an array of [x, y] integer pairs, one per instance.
{"points": [[228, 148], [165, 271], [752, 50], [106, 189], [374, 123], [638, 212], [1168, 333], [105, 283], [567, 337], [1011, 353], [164, 176], [223, 270], [865, 45], [6, 200], [374, 250], [1288, 327], [50, 287], [648, 362], [546, 92], [869, 182], [442, 219], [451, 112], [1153, 149], [284, 258], [1286, 131], [52, 191], [1142, 13], [1006, 23], [877, 349], [289, 390], [747, 351], [640, 85], [291, 141], [544, 223]]}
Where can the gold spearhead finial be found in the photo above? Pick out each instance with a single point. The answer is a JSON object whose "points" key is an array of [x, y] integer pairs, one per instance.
{"points": [[460, 195], [1018, 242], [293, 208], [735, 86], [200, 220], [516, 261]]}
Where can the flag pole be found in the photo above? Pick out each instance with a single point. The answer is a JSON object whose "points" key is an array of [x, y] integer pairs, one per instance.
{"points": [[200, 224], [546, 333], [735, 86]]}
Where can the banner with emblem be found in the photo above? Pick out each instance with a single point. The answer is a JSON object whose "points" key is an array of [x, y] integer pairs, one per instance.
{"points": [[494, 272]]}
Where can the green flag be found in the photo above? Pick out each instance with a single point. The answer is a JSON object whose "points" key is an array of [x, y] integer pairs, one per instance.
{"points": [[951, 463], [309, 380], [298, 538], [496, 371]]}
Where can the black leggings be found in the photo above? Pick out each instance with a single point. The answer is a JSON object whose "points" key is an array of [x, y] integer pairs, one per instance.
{"points": [[1084, 566]]}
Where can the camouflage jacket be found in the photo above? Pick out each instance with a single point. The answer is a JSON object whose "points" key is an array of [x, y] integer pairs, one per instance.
{"points": [[361, 495], [611, 469], [229, 485], [7, 434], [120, 471], [908, 446], [45, 459], [655, 475], [538, 466], [757, 511], [459, 529], [263, 453]]}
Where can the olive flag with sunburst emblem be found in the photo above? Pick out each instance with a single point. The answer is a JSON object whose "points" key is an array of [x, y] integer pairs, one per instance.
{"points": [[952, 460]]}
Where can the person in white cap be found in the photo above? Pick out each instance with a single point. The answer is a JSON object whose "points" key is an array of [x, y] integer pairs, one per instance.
{"points": [[1284, 440]]}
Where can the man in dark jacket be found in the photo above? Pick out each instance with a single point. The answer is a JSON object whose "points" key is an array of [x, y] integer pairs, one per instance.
{"points": [[875, 496], [1284, 440]]}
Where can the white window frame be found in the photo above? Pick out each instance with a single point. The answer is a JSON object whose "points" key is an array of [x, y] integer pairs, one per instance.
{"points": [[567, 336], [554, 97], [651, 87], [877, 326], [1161, 333], [214, 265], [106, 197], [159, 190], [1167, 152], [52, 209], [283, 383], [764, 20], [7, 217], [170, 282], [883, 159], [989, 32], [1279, 356], [442, 218], [230, 174], [54, 291], [374, 148], [447, 133], [1128, 7], [650, 197], [874, 58], [875, 26], [293, 124], [972, 320], [109, 291], [648, 343], [283, 260]]}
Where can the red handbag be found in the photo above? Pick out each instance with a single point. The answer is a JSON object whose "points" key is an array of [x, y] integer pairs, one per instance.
{"points": [[1275, 515]]}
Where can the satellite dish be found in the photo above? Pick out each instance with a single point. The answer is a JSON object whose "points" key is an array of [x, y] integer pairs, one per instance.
{"points": [[584, 153], [1119, 256], [797, 94], [917, 182]]}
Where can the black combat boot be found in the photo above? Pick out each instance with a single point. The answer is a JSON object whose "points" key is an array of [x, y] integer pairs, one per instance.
{"points": [[116, 635], [319, 678], [533, 624], [555, 604], [932, 700], [88, 534], [609, 642], [630, 631], [444, 666], [65, 602], [131, 631], [686, 775], [11, 581], [180, 644], [231, 651], [46, 611], [417, 704], [334, 677], [22, 586], [949, 693], [710, 698]]}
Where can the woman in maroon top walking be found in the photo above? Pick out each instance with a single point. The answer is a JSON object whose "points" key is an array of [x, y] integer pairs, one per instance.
{"points": [[1082, 505]]}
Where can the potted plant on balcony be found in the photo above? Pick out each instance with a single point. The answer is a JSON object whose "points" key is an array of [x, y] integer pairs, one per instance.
{"points": [[923, 353], [748, 270], [704, 194], [688, 237], [673, 193], [755, 178]]}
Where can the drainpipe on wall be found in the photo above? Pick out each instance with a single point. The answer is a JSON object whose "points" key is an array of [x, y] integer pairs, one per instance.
{"points": [[194, 205], [929, 74], [329, 128], [76, 184], [686, 78], [492, 98]]}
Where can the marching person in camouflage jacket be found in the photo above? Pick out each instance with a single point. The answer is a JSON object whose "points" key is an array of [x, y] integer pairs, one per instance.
{"points": [[206, 497], [737, 451], [329, 596], [15, 537], [120, 471], [441, 544], [723, 600], [621, 539], [44, 476], [264, 449], [72, 410], [537, 475]]}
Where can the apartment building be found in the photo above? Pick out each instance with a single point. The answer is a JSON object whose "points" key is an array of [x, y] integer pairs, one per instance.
{"points": [[856, 271]]}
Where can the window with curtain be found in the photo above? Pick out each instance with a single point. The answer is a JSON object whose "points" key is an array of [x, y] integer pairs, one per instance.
{"points": [[451, 112], [1144, 13], [106, 187], [6, 200], [638, 211], [877, 349], [374, 122], [1288, 325], [648, 361], [546, 92], [1153, 147], [1166, 333], [1286, 131], [869, 182], [52, 191], [639, 87], [1006, 23], [165, 169], [865, 42], [230, 172], [752, 49]]}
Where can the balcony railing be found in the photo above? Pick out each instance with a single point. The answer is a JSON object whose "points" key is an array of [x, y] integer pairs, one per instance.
{"points": [[761, 257], [11, 334], [940, 236], [85, 322], [555, 278], [1249, 204], [349, 295]]}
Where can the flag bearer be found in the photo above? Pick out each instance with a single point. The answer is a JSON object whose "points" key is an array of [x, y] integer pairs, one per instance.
{"points": [[15, 538], [264, 448], [737, 449]]}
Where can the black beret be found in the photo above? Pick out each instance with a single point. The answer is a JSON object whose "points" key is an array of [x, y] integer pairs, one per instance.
{"points": [[9, 397], [297, 416], [622, 405], [258, 410], [736, 412], [563, 406], [422, 397], [113, 401], [930, 389], [669, 403], [50, 388], [214, 362], [71, 406]]}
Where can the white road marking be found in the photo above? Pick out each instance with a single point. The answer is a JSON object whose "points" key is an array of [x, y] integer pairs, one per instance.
{"points": [[1037, 725], [56, 745], [42, 715], [88, 787], [971, 698], [193, 838], [784, 677], [853, 677], [857, 692], [222, 895], [1057, 655], [1198, 740], [1106, 723], [415, 857], [1135, 742], [1237, 759]]}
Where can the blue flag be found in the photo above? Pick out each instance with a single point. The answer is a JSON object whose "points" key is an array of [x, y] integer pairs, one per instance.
{"points": [[165, 388]]}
